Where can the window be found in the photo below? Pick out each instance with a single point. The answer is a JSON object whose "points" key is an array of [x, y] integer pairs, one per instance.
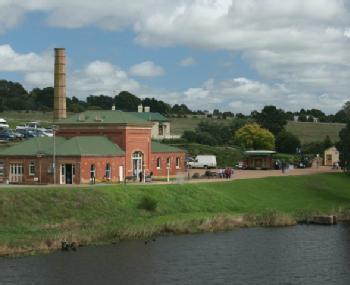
{"points": [[168, 162], [31, 168], [158, 163], [2, 172], [177, 162], [108, 171], [92, 171], [160, 129]]}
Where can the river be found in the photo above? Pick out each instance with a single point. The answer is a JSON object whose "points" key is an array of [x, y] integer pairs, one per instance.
{"points": [[292, 255]]}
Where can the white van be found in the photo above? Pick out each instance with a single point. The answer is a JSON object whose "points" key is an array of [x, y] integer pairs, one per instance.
{"points": [[203, 161]]}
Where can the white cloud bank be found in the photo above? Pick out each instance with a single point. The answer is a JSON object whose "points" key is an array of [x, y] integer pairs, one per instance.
{"points": [[146, 69], [303, 45]]}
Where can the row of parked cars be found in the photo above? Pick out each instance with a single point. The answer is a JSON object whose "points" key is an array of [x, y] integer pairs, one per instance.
{"points": [[26, 131]]}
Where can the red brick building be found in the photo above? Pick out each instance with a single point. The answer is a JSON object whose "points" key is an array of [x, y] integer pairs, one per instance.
{"points": [[91, 146]]}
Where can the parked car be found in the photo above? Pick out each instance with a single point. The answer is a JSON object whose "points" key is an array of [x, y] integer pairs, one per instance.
{"points": [[7, 136], [3, 124], [203, 161]]}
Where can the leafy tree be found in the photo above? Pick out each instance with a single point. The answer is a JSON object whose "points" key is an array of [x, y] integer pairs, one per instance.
{"points": [[252, 136], [302, 118], [190, 136], [343, 147], [287, 142], [271, 118], [327, 143], [157, 105], [126, 101], [102, 101], [313, 148], [182, 110]]}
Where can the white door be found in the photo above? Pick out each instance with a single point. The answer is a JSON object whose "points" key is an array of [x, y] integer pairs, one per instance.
{"points": [[63, 174], [16, 173], [121, 173]]}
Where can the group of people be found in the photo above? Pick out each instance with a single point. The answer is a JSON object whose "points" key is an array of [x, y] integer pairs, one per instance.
{"points": [[226, 173]]}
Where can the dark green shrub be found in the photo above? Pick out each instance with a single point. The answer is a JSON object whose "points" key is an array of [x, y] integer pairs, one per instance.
{"points": [[147, 203]]}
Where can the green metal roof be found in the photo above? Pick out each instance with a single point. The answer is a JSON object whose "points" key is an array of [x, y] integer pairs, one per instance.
{"points": [[159, 147], [76, 146], [150, 116], [103, 117], [89, 146]]}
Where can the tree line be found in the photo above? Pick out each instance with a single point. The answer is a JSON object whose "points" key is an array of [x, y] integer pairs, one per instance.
{"points": [[13, 96]]}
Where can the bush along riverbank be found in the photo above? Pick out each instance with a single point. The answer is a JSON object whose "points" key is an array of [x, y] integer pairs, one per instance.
{"points": [[37, 219]]}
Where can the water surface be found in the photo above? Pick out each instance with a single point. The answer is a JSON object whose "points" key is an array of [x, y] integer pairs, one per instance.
{"points": [[293, 255]]}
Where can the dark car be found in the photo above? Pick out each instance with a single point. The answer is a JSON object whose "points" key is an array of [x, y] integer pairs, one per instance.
{"points": [[7, 136]]}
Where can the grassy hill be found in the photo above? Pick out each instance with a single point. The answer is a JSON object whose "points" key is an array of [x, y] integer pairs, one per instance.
{"points": [[36, 218], [311, 132]]}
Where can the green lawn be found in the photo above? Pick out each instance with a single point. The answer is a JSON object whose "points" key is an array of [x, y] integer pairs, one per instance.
{"points": [[29, 216], [312, 132]]}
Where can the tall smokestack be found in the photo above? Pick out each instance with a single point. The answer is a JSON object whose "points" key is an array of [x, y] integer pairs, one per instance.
{"points": [[60, 85]]}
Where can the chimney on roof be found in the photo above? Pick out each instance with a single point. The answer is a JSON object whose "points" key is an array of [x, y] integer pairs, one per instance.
{"points": [[139, 108], [147, 109], [60, 85]]}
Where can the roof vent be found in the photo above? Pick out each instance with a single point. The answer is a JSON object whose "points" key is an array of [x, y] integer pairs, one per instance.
{"points": [[81, 117], [113, 107], [139, 108], [98, 118], [147, 109]]}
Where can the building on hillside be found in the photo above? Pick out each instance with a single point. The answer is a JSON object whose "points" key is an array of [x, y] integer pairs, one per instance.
{"points": [[331, 156], [160, 124], [259, 159]]}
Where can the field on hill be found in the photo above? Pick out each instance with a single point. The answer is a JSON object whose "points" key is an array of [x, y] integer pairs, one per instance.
{"points": [[15, 118], [307, 131], [311, 132], [34, 218]]}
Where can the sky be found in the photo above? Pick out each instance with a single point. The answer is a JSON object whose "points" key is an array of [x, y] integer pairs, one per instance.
{"points": [[232, 55]]}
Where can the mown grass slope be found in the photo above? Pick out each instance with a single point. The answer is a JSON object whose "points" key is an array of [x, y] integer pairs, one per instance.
{"points": [[30, 216]]}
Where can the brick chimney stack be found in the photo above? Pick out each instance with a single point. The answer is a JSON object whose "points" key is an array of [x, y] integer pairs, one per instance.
{"points": [[60, 85]]}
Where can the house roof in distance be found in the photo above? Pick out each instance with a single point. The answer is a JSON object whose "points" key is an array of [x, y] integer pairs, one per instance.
{"points": [[103, 117], [76, 146]]}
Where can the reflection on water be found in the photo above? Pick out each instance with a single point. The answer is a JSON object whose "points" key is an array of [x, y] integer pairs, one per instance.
{"points": [[294, 255]]}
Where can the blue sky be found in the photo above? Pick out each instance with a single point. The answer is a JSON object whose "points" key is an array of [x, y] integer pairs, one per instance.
{"points": [[205, 53]]}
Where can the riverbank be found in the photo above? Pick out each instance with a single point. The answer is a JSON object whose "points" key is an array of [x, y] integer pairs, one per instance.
{"points": [[37, 219]]}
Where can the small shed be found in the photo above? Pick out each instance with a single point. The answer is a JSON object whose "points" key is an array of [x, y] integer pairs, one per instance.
{"points": [[331, 156], [259, 159]]}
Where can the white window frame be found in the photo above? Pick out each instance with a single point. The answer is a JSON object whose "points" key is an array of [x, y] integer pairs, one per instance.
{"points": [[31, 168], [92, 170], [177, 162], [108, 171], [159, 163], [2, 169], [168, 162]]}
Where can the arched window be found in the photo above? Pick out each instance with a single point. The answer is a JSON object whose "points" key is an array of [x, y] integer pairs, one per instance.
{"points": [[92, 171], [108, 171], [158, 163], [177, 162]]}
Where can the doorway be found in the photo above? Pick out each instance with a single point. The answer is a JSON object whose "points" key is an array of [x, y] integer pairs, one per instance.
{"points": [[137, 163], [67, 173]]}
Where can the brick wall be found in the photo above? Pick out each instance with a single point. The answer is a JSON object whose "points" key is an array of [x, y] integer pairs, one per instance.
{"points": [[162, 171]]}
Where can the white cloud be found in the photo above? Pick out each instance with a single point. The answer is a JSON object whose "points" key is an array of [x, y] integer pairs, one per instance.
{"points": [[304, 45], [12, 61], [188, 61], [146, 69]]}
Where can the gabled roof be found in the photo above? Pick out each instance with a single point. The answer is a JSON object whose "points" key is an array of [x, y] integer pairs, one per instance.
{"points": [[259, 152], [103, 117], [159, 147], [76, 146], [151, 116]]}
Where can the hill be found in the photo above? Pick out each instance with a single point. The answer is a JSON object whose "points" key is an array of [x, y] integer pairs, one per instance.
{"points": [[312, 132], [38, 218]]}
